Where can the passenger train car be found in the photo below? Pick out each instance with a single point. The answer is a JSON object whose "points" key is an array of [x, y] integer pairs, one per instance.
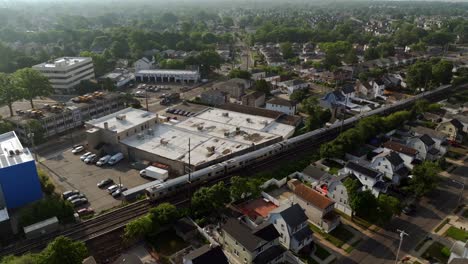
{"points": [[199, 177]]}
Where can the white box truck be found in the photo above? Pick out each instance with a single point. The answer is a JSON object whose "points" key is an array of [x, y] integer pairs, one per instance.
{"points": [[155, 173], [116, 158]]}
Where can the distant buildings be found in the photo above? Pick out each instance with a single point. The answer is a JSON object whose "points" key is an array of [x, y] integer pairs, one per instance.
{"points": [[254, 99], [67, 72], [235, 87], [282, 105], [177, 76], [214, 97], [118, 77], [143, 64]]}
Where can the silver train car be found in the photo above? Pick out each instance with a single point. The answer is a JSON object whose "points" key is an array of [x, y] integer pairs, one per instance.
{"points": [[202, 176]]}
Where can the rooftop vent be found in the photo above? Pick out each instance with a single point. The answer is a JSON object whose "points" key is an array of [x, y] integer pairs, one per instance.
{"points": [[226, 114], [121, 117]]}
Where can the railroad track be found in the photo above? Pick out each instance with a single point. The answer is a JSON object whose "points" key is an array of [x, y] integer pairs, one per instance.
{"points": [[118, 218]]}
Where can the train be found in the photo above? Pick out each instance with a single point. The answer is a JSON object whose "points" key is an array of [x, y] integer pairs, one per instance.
{"points": [[202, 176]]}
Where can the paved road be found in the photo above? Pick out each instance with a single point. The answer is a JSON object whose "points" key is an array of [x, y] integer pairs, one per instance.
{"points": [[382, 246]]}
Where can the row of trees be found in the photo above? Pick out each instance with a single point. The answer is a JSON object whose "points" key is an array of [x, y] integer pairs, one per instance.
{"points": [[62, 250], [426, 74], [25, 84], [362, 132]]}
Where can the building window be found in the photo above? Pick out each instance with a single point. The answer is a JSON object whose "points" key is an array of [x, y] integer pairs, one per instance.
{"points": [[118, 137]]}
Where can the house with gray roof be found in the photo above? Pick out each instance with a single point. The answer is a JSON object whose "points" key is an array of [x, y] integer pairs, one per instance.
{"points": [[248, 243], [391, 165], [291, 223], [206, 254], [426, 147], [369, 178]]}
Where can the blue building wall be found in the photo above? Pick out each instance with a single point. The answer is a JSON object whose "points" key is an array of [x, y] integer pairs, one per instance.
{"points": [[20, 184]]}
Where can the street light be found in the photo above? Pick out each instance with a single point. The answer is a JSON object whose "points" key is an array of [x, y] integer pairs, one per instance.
{"points": [[402, 234], [31, 137]]}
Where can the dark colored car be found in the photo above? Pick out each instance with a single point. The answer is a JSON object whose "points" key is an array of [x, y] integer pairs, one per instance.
{"points": [[104, 183]]}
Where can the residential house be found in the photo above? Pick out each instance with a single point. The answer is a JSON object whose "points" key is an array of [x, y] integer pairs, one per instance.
{"points": [[272, 78], [459, 253], [425, 146], [439, 138], [291, 223], [452, 128], [248, 243], [348, 90], [370, 179], [370, 89], [206, 254], [234, 87], [214, 97], [409, 155], [391, 165], [281, 105], [143, 64], [463, 118], [254, 99], [293, 85], [318, 208], [257, 74], [332, 100], [185, 229]]}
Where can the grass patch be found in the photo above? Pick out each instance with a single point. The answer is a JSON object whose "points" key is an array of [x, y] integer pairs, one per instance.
{"points": [[441, 225], [337, 237], [436, 251], [167, 242], [457, 233], [321, 253]]}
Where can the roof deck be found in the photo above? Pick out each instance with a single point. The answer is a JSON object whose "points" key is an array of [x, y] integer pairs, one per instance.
{"points": [[122, 120], [11, 151]]}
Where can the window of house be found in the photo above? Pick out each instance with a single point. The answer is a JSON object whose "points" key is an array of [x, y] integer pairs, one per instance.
{"points": [[118, 137]]}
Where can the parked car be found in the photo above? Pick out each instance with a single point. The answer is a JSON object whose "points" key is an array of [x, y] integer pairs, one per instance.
{"points": [[119, 191], [67, 194], [85, 211], [103, 160], [76, 196], [116, 158], [84, 156], [77, 149], [105, 182], [90, 158], [79, 202], [113, 188]]}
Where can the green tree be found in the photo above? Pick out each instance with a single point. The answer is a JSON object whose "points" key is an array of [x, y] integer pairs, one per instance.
{"points": [[63, 250], [386, 49], [119, 49], [23, 259], [238, 73], [46, 184], [32, 84], [138, 228], [351, 57], [37, 130], [286, 50], [388, 207], [420, 46], [371, 53], [5, 126], [419, 75], [101, 63], [425, 178], [238, 188], [440, 38], [208, 199], [442, 72], [331, 60], [46, 208], [164, 213], [262, 86], [299, 95], [9, 92]]}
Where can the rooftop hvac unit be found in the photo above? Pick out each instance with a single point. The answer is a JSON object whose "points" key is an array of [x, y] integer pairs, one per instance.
{"points": [[200, 128], [163, 141], [121, 117], [265, 122], [140, 136], [11, 152], [248, 120], [226, 114], [210, 149], [17, 151], [150, 132]]}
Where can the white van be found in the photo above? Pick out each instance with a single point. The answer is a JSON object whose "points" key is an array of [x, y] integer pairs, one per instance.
{"points": [[155, 173], [103, 160], [116, 158]]}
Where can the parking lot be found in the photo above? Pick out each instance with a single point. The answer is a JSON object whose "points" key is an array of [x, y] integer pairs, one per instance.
{"points": [[69, 173]]}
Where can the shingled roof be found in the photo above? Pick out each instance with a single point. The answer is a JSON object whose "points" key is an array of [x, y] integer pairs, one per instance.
{"points": [[395, 146], [313, 197], [362, 169], [251, 239]]}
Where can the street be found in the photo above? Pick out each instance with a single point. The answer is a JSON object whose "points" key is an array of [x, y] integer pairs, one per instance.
{"points": [[381, 247]]}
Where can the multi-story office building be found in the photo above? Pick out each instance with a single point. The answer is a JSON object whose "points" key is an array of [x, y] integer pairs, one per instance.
{"points": [[67, 72]]}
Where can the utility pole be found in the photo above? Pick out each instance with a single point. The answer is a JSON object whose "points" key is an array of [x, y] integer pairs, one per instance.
{"points": [[402, 234], [146, 98], [189, 175]]}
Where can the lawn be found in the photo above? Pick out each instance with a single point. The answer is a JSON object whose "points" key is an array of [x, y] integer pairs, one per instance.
{"points": [[457, 233], [337, 237], [435, 252], [321, 253], [167, 242]]}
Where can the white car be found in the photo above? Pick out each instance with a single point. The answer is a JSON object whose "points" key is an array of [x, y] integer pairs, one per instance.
{"points": [[103, 160], [114, 187], [90, 158], [84, 156], [77, 149]]}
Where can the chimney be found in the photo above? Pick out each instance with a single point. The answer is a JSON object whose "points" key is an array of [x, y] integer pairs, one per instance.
{"points": [[106, 125]]}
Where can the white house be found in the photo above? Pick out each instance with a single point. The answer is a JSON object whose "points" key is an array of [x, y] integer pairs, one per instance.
{"points": [[281, 105], [406, 153], [291, 223], [370, 179], [391, 165], [425, 146], [143, 64], [293, 85]]}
